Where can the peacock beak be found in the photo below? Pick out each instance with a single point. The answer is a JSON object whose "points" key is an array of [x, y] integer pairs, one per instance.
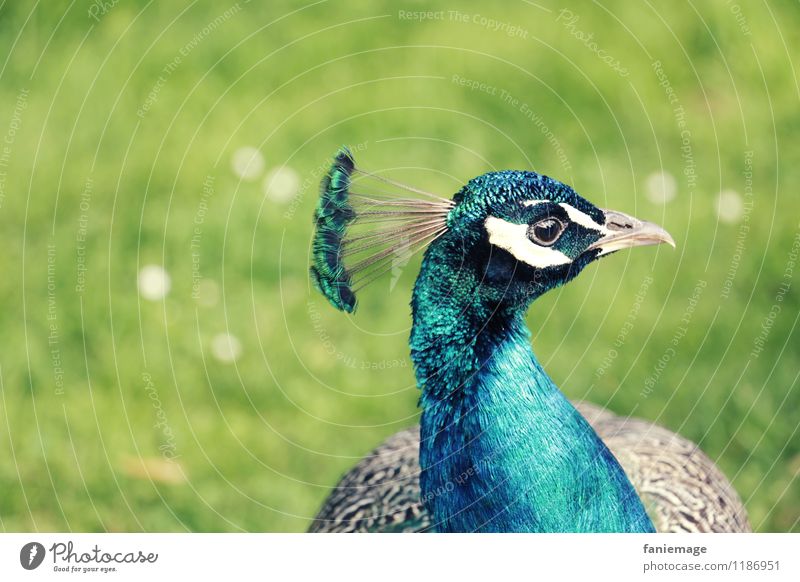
{"points": [[623, 231]]}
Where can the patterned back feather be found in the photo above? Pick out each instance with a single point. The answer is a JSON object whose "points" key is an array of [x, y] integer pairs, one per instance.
{"points": [[682, 488]]}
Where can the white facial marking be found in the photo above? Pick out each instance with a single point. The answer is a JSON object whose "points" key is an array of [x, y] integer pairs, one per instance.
{"points": [[582, 218], [612, 246], [575, 215], [514, 238]]}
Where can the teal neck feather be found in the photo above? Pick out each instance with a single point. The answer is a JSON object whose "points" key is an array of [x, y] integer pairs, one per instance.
{"points": [[502, 449]]}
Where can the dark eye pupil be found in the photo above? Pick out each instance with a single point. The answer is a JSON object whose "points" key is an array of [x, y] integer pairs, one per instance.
{"points": [[546, 231]]}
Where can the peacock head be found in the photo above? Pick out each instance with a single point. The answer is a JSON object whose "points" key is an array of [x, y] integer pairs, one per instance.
{"points": [[517, 233], [525, 233]]}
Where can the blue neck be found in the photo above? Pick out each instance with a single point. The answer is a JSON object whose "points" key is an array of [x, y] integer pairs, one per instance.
{"points": [[501, 448]]}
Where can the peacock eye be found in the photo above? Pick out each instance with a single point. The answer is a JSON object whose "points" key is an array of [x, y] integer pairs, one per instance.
{"points": [[546, 232]]}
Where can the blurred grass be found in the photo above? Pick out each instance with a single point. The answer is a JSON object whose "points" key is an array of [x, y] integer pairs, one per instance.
{"points": [[260, 441]]}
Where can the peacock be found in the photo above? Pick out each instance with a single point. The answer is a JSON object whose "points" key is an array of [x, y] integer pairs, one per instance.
{"points": [[499, 448]]}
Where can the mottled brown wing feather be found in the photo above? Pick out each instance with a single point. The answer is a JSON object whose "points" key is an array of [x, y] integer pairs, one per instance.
{"points": [[682, 489]]}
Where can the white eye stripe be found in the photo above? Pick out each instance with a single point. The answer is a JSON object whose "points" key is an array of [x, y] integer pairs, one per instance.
{"points": [[514, 238], [574, 214], [581, 218]]}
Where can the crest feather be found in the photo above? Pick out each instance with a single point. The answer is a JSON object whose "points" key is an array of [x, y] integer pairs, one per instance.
{"points": [[359, 235]]}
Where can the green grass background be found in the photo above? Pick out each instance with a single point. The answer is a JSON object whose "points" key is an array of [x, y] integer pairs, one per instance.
{"points": [[261, 441]]}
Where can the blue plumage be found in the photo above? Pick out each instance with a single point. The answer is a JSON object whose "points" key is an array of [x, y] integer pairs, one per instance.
{"points": [[501, 448]]}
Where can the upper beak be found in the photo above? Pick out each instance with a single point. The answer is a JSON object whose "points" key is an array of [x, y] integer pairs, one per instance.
{"points": [[624, 231]]}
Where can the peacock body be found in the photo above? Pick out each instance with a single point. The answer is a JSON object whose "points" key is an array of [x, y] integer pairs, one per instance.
{"points": [[499, 447]]}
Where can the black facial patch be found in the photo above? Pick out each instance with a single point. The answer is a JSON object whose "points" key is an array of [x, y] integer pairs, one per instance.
{"points": [[575, 239], [532, 213]]}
